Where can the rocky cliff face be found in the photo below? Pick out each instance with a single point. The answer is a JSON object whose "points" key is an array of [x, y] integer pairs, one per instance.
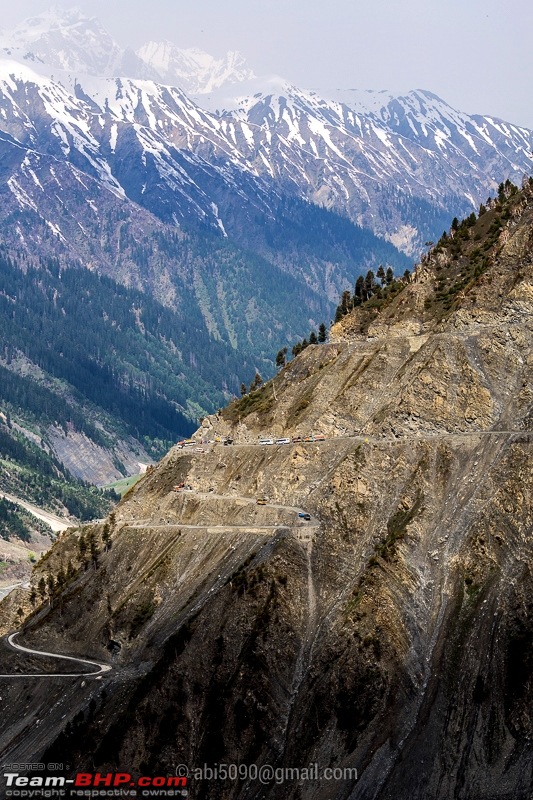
{"points": [[393, 631]]}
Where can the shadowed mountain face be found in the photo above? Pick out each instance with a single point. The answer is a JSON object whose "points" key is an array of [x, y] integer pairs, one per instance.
{"points": [[392, 631]]}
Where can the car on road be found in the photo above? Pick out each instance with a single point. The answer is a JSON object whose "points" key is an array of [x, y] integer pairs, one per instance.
{"points": [[266, 441], [283, 441], [296, 439], [304, 515], [261, 501]]}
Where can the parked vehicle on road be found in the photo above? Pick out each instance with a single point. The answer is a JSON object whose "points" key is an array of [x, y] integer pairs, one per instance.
{"points": [[261, 501], [283, 441], [304, 515]]}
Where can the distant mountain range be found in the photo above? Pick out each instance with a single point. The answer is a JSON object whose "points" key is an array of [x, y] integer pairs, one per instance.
{"points": [[69, 41], [398, 165]]}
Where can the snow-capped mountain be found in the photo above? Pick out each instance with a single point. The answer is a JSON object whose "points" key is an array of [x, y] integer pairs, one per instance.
{"points": [[396, 164], [139, 139], [68, 157], [193, 70], [399, 164], [68, 44], [68, 41]]}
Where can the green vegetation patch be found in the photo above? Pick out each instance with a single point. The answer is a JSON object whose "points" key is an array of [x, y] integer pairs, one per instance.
{"points": [[12, 523], [260, 401], [124, 484], [469, 248]]}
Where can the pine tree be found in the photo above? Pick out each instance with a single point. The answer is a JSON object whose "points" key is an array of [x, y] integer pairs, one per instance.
{"points": [[93, 548], [369, 284], [106, 537], [256, 383], [381, 274], [346, 302], [322, 333], [359, 287], [281, 358], [244, 390], [61, 578], [313, 338], [389, 276]]}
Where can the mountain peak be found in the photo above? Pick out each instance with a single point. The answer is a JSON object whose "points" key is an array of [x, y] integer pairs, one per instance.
{"points": [[194, 70], [64, 39], [69, 41], [34, 29]]}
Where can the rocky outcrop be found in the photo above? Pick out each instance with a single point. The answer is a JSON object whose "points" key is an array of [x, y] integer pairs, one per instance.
{"points": [[93, 463]]}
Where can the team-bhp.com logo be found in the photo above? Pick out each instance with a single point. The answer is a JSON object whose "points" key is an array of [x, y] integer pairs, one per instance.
{"points": [[91, 784]]}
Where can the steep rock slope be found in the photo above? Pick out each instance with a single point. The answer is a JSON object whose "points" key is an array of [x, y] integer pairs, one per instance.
{"points": [[392, 631]]}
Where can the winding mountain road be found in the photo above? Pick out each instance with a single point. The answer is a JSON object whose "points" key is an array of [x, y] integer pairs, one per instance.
{"points": [[101, 668], [301, 526]]}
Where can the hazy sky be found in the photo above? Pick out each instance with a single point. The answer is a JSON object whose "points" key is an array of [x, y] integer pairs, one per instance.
{"points": [[475, 54]]}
